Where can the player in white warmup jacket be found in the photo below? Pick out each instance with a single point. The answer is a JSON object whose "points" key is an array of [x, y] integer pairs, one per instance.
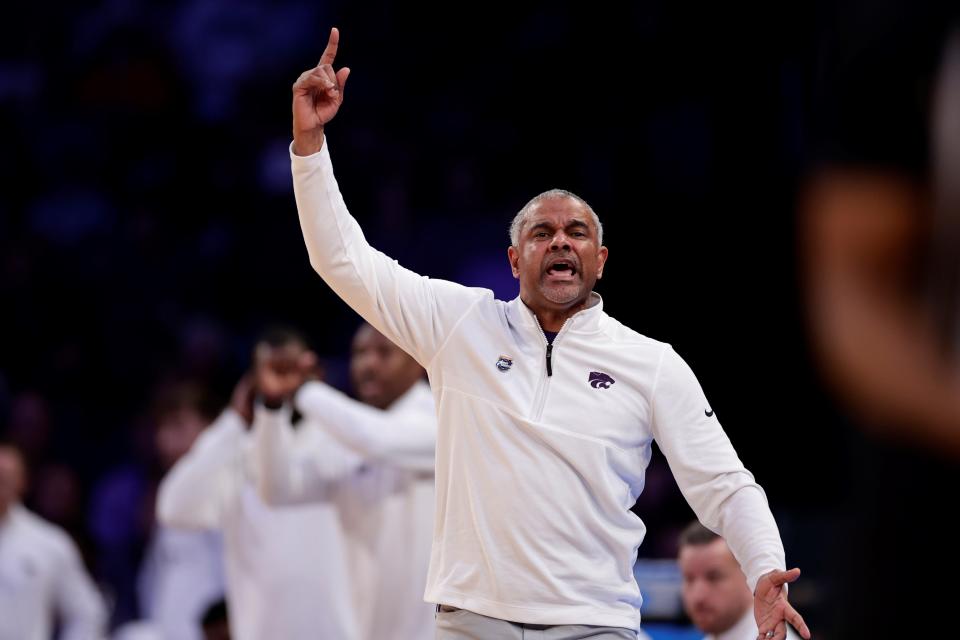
{"points": [[386, 508], [547, 409], [42, 578], [286, 570]]}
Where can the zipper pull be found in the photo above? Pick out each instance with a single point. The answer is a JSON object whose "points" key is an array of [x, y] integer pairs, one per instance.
{"points": [[549, 352]]}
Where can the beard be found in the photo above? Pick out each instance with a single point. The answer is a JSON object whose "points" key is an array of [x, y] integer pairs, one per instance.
{"points": [[564, 293]]}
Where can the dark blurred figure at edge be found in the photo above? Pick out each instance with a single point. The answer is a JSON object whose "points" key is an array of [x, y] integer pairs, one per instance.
{"points": [[878, 226], [215, 622]]}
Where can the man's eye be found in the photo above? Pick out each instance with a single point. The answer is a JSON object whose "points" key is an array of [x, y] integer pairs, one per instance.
{"points": [[580, 234], [541, 234]]}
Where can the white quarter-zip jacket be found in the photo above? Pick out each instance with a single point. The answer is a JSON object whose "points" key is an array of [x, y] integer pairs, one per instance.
{"points": [[541, 449], [386, 507]]}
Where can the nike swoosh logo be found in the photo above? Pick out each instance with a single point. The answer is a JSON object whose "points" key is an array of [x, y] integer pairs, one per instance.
{"points": [[709, 413]]}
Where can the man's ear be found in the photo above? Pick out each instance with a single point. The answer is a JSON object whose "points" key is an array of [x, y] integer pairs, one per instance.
{"points": [[601, 261], [514, 257]]}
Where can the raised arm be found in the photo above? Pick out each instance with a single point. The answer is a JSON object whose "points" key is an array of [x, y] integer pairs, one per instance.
{"points": [[193, 493], [406, 438], [415, 312], [297, 466], [719, 489]]}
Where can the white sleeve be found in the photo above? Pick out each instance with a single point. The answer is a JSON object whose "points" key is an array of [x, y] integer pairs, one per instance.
{"points": [[80, 606], [714, 481], [194, 492], [297, 466], [413, 311], [406, 440]]}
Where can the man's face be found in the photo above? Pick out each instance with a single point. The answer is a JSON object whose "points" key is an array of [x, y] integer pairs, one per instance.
{"points": [[715, 591], [280, 370], [558, 258], [380, 371], [12, 478]]}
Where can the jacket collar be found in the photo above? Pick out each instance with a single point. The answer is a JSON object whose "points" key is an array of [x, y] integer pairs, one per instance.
{"points": [[584, 321]]}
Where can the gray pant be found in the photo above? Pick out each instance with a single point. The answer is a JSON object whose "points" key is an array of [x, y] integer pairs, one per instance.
{"points": [[460, 624]]}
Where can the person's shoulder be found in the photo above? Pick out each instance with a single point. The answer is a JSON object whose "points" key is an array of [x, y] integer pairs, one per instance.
{"points": [[44, 533], [468, 291], [622, 334]]}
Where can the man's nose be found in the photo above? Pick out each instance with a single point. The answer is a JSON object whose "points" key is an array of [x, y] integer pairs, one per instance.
{"points": [[560, 241], [697, 591]]}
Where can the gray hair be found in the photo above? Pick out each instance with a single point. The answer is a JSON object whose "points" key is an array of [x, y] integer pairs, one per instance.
{"points": [[521, 217]]}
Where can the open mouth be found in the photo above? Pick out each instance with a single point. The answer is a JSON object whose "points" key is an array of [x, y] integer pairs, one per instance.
{"points": [[561, 270]]}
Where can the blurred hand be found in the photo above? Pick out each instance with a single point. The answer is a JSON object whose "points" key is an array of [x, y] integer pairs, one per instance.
{"points": [[771, 608], [317, 96], [279, 372]]}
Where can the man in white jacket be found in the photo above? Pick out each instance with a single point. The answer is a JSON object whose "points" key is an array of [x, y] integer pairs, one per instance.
{"points": [[42, 578], [387, 507], [547, 409], [286, 574]]}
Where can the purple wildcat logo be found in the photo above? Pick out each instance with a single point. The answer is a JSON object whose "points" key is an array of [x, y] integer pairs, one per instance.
{"points": [[600, 380]]}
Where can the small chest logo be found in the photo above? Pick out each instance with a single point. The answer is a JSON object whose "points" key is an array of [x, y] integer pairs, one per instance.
{"points": [[600, 380], [504, 363]]}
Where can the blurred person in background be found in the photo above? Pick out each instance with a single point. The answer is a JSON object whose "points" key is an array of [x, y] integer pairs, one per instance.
{"points": [[880, 221], [715, 592], [43, 583], [163, 578], [386, 507], [286, 574], [56, 492]]}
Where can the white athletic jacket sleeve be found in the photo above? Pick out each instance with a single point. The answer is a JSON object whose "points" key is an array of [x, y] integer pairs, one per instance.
{"points": [[402, 439], [297, 466], [79, 605], [413, 311], [715, 483], [195, 491]]}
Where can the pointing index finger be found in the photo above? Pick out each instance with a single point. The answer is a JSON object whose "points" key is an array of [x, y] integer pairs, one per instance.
{"points": [[331, 51]]}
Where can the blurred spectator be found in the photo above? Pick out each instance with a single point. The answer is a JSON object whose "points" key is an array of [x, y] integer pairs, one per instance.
{"points": [[56, 495], [163, 575], [43, 582], [29, 426], [715, 592]]}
